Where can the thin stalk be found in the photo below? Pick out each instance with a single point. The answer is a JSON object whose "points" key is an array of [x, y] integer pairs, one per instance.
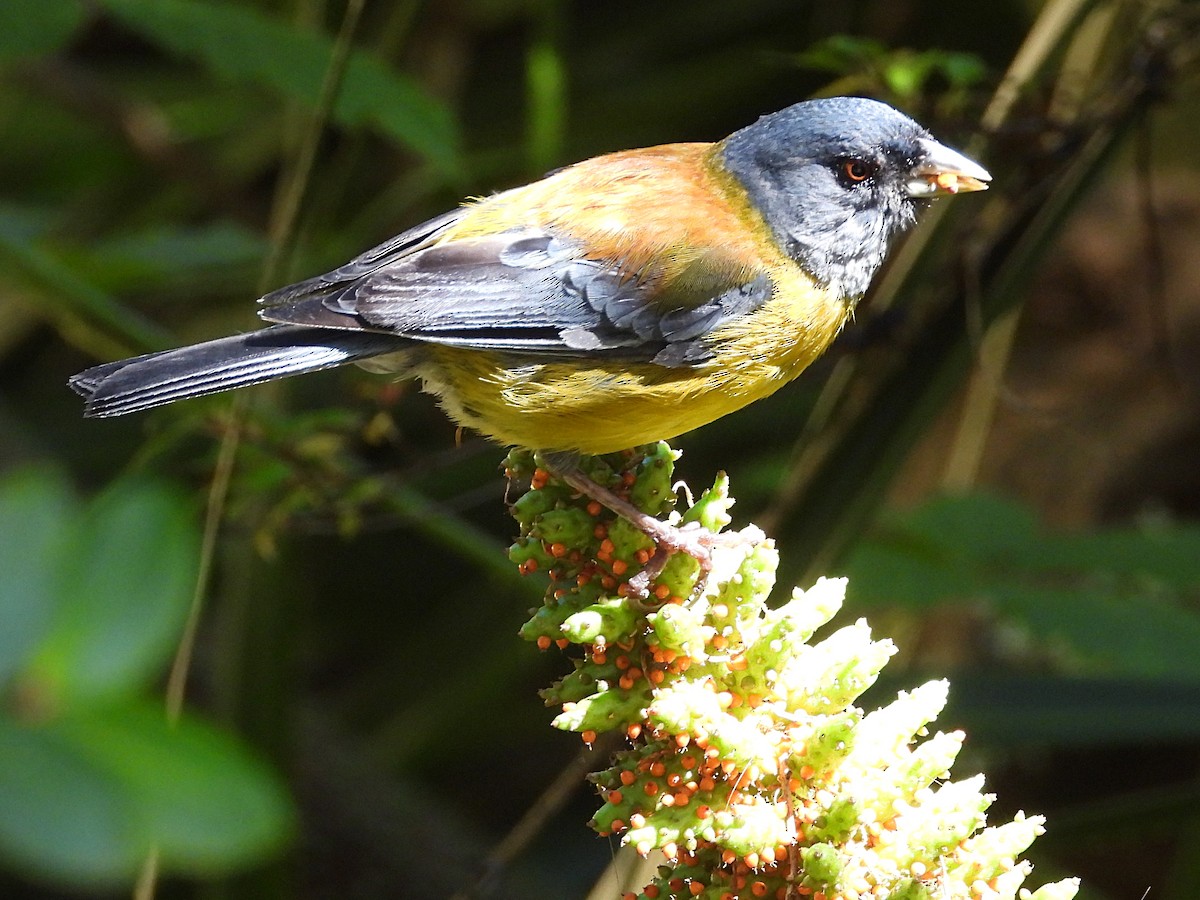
{"points": [[549, 804], [812, 456], [285, 216], [853, 479], [78, 301], [545, 85], [979, 406], [1080, 68]]}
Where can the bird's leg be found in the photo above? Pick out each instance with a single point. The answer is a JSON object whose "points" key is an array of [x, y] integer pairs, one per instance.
{"points": [[639, 584], [693, 539]]}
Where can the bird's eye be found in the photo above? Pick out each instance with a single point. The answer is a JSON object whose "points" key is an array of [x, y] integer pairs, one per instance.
{"points": [[855, 171]]}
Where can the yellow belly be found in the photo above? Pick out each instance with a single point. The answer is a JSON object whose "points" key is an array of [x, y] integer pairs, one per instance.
{"points": [[597, 407]]}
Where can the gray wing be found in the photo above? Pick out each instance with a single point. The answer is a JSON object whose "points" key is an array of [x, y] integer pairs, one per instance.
{"points": [[525, 290]]}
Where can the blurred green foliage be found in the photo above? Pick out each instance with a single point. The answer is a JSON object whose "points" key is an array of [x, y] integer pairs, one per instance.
{"points": [[906, 78], [243, 45], [30, 30], [359, 630], [93, 777], [1122, 601]]}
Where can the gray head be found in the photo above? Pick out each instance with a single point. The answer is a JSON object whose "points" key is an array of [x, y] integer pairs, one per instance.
{"points": [[835, 179]]}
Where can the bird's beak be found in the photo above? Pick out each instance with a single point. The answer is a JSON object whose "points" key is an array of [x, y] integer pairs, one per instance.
{"points": [[940, 170]]}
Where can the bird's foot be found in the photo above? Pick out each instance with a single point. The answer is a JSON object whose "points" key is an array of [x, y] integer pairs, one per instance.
{"points": [[692, 538]]}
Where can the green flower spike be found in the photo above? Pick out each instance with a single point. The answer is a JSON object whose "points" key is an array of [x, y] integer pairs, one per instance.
{"points": [[749, 766]]}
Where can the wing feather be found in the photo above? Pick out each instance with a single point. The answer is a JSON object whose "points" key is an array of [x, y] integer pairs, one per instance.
{"points": [[522, 290]]}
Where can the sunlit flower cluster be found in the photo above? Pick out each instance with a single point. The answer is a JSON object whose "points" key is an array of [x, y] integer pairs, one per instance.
{"points": [[748, 765]]}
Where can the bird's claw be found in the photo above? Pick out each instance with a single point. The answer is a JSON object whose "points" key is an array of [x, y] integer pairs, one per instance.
{"points": [[693, 539]]}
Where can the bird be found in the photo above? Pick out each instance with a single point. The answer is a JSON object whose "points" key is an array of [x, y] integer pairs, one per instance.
{"points": [[624, 299]]}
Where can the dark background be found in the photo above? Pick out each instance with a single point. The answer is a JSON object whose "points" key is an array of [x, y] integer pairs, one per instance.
{"points": [[360, 627]]}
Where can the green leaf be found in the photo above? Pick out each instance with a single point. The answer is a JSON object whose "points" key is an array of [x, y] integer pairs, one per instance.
{"points": [[62, 814], [126, 583], [65, 287], [35, 509], [31, 28], [947, 548], [1111, 602], [900, 568], [22, 222], [242, 44], [168, 257], [1170, 556], [87, 796], [1114, 631], [905, 73], [980, 527], [960, 69], [841, 53], [1012, 710], [165, 247], [201, 799]]}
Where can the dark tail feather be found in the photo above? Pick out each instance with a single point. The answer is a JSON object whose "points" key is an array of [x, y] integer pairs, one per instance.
{"points": [[142, 382]]}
